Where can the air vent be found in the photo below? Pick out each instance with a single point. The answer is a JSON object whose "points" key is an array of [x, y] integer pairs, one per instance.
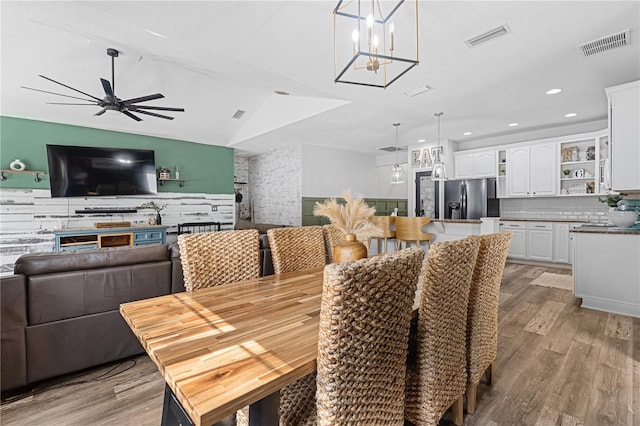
{"points": [[390, 149], [239, 113], [488, 36], [605, 43]]}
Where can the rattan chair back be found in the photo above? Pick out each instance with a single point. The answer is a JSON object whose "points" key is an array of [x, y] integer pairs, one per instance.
{"points": [[332, 237], [297, 248], [362, 347], [482, 313], [409, 230], [437, 373], [214, 258]]}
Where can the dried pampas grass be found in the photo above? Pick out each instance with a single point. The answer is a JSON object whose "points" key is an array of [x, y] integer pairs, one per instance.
{"points": [[351, 218]]}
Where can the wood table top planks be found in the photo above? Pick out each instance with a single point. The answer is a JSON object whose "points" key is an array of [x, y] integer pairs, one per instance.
{"points": [[224, 347]]}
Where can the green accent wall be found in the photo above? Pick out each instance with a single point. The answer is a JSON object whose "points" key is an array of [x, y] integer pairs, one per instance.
{"points": [[208, 168], [384, 207]]}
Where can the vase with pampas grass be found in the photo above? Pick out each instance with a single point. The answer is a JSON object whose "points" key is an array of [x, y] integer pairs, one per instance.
{"points": [[353, 219]]}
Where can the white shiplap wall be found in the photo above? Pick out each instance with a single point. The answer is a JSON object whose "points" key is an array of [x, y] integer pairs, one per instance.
{"points": [[28, 217]]}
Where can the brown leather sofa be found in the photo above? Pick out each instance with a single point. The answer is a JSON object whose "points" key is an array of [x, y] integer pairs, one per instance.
{"points": [[60, 311]]}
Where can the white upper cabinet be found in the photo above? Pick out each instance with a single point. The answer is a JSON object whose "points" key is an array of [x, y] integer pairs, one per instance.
{"points": [[478, 164], [532, 170], [624, 136]]}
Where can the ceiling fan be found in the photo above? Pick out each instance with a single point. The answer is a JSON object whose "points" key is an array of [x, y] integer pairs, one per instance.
{"points": [[111, 102]]}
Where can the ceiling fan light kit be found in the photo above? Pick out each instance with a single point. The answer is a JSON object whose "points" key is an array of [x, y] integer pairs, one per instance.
{"points": [[375, 42], [111, 102]]}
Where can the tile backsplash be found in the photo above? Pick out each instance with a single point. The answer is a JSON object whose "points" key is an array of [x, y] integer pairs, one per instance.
{"points": [[580, 209]]}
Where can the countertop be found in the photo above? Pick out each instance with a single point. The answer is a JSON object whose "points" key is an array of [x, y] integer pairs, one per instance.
{"points": [[508, 219], [472, 221], [607, 230]]}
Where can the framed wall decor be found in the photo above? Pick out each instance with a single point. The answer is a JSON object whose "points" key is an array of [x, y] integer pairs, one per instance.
{"points": [[415, 158], [437, 152], [426, 158]]}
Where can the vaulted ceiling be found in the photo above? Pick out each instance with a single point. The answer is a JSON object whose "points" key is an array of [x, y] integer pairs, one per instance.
{"points": [[214, 58]]}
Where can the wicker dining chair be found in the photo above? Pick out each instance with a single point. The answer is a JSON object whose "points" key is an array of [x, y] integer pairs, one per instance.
{"points": [[296, 248], [384, 222], [332, 237], [214, 258], [409, 230], [436, 367], [482, 313], [362, 347]]}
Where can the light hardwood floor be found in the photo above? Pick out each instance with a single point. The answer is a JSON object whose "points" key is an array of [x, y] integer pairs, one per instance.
{"points": [[558, 364]]}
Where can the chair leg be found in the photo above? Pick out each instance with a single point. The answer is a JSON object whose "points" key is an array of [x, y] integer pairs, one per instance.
{"points": [[458, 415], [471, 397], [379, 245], [490, 373]]}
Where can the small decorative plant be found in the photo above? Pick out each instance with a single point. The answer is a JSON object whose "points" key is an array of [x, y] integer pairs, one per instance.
{"points": [[164, 172], [566, 172], [353, 217], [612, 198], [152, 205]]}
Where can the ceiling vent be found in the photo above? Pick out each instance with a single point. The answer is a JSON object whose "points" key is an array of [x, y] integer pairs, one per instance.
{"points": [[238, 115], [605, 43], [492, 34], [390, 149]]}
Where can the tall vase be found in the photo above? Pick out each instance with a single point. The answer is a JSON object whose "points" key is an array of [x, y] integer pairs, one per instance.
{"points": [[349, 249], [158, 219]]}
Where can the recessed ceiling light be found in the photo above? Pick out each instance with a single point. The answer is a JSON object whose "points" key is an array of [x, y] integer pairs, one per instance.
{"points": [[571, 114], [553, 91], [513, 124], [466, 133], [422, 140]]}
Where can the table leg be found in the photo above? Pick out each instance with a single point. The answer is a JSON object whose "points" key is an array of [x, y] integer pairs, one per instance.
{"points": [[265, 412], [174, 415]]}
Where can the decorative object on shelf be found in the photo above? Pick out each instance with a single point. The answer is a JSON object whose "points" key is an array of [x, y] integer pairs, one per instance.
{"points": [[155, 206], [111, 102], [177, 173], [397, 174], [369, 49], [591, 153], [439, 172], [352, 218], [578, 173], [17, 165], [569, 154], [566, 172], [238, 195], [164, 172]]}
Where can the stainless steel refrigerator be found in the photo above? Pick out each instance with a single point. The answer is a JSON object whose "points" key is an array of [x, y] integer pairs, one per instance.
{"points": [[470, 199]]}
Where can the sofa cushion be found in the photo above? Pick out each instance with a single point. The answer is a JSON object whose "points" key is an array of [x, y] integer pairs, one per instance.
{"points": [[46, 263], [53, 297]]}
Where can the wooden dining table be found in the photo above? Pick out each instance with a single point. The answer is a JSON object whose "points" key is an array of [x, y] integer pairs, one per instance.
{"points": [[222, 348]]}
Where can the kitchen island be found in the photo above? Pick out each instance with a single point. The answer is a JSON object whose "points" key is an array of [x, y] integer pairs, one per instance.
{"points": [[606, 269]]}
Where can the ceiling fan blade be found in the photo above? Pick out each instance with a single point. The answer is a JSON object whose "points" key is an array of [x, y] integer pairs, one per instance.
{"points": [[154, 114], [128, 114], [108, 91], [69, 87], [59, 94], [144, 98], [67, 103], [102, 111], [137, 107]]}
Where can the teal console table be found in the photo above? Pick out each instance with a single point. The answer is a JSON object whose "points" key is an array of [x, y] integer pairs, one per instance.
{"points": [[93, 238]]}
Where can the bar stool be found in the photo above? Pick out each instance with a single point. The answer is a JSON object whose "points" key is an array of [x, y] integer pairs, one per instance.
{"points": [[384, 222], [409, 229]]}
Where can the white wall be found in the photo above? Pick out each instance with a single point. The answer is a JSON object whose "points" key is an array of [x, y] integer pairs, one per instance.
{"points": [[275, 180], [328, 173]]}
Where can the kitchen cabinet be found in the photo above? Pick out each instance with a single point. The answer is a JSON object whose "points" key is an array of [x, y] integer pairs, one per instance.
{"points": [[539, 240], [478, 164], [624, 135], [518, 247], [532, 170], [606, 271]]}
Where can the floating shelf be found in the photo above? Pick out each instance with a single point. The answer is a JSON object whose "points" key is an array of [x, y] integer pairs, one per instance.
{"points": [[22, 172], [182, 181]]}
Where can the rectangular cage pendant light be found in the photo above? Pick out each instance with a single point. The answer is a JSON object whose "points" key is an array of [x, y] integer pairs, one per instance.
{"points": [[375, 42]]}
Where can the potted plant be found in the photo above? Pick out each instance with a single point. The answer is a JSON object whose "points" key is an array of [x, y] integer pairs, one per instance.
{"points": [[164, 172], [612, 198], [157, 208], [566, 172], [354, 220]]}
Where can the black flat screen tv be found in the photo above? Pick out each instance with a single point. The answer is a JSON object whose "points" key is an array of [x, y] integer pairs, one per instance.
{"points": [[80, 171]]}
